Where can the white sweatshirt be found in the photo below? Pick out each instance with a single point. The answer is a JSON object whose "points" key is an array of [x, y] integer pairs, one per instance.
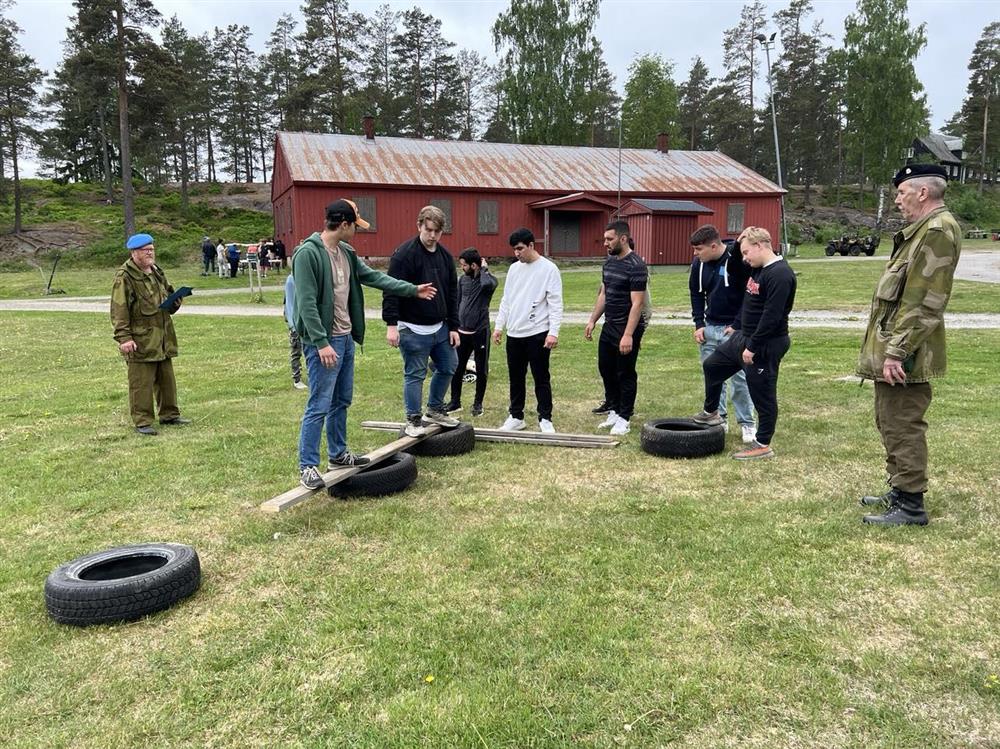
{"points": [[532, 300]]}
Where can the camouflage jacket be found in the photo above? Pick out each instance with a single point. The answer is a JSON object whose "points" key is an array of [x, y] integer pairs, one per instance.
{"points": [[907, 313], [136, 313]]}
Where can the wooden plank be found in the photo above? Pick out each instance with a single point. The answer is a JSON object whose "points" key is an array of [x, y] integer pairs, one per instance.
{"points": [[531, 439], [300, 494], [391, 426]]}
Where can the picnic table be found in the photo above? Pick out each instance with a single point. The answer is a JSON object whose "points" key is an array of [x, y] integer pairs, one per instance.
{"points": [[977, 234]]}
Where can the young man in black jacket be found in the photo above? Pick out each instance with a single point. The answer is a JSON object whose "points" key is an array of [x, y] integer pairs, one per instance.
{"points": [[425, 328], [475, 290], [717, 283], [759, 344]]}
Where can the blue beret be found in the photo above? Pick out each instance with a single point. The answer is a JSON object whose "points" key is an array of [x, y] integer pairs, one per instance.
{"points": [[137, 241]]}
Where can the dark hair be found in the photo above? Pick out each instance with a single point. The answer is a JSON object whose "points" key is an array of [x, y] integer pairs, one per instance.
{"points": [[631, 242], [521, 236], [619, 227], [472, 256], [705, 235]]}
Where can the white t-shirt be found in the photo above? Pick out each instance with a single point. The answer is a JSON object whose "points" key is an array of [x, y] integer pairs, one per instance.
{"points": [[532, 300]]}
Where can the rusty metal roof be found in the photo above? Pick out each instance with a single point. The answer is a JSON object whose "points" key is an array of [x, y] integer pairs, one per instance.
{"points": [[353, 159]]}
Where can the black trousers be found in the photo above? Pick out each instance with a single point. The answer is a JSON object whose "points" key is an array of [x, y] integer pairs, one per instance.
{"points": [[618, 372], [762, 378], [521, 354], [477, 344]]}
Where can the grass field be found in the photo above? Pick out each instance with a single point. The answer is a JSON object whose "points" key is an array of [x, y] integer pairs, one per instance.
{"points": [[517, 596]]}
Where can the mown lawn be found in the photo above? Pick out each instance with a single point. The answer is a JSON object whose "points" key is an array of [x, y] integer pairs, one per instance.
{"points": [[517, 596]]}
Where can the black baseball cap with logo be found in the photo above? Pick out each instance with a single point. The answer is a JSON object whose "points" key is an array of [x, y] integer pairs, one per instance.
{"points": [[345, 210]]}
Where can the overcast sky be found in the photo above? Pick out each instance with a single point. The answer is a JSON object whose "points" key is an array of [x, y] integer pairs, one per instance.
{"points": [[676, 29]]}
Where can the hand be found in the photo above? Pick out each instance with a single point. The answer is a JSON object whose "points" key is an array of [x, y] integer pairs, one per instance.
{"points": [[551, 342], [588, 332], [497, 336], [699, 335], [454, 338], [893, 372], [728, 331], [484, 265], [128, 347], [392, 336], [747, 357], [625, 345], [426, 291], [328, 356]]}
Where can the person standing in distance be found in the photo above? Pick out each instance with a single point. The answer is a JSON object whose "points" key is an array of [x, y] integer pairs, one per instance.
{"points": [[531, 311], [904, 343], [621, 299]]}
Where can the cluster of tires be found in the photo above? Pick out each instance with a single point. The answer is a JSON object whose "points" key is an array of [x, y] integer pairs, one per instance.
{"points": [[681, 438]]}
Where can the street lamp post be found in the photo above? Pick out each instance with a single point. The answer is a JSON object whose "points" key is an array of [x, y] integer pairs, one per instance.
{"points": [[768, 45]]}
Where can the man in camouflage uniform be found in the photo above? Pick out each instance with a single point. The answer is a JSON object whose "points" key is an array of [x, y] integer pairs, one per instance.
{"points": [[904, 345], [145, 335]]}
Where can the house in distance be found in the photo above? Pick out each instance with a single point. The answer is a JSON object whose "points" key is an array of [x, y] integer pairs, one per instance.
{"points": [[565, 194]]}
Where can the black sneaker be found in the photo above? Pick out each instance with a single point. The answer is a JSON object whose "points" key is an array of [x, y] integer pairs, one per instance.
{"points": [[441, 417], [601, 409], [477, 409], [453, 407], [347, 460], [311, 479]]}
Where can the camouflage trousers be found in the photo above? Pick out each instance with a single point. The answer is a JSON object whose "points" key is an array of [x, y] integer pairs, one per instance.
{"points": [[295, 354], [147, 379], [899, 417]]}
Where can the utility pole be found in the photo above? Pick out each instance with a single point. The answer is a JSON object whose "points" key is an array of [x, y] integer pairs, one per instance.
{"points": [[768, 45]]}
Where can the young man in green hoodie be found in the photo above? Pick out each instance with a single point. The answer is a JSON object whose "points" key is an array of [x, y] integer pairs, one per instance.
{"points": [[329, 317]]}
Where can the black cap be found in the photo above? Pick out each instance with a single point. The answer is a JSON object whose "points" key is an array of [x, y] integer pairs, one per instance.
{"points": [[918, 170], [344, 210]]}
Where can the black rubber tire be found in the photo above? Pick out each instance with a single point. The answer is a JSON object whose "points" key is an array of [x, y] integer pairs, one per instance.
{"points": [[831, 248], [870, 251], [122, 584], [387, 477], [456, 441], [854, 250], [681, 438]]}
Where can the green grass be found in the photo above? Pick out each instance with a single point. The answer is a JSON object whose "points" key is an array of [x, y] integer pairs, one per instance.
{"points": [[558, 597]]}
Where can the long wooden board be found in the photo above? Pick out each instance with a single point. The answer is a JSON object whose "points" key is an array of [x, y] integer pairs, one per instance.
{"points": [[500, 435], [300, 494]]}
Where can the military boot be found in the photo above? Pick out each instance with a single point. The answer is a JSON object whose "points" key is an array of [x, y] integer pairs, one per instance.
{"points": [[885, 500], [907, 508]]}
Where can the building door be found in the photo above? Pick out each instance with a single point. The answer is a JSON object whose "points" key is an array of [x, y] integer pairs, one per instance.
{"points": [[564, 231]]}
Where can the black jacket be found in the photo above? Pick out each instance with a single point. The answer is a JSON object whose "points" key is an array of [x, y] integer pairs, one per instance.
{"points": [[412, 262], [717, 289]]}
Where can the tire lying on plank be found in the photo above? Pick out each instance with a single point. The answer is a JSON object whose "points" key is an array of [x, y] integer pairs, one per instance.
{"points": [[386, 477], [122, 584], [455, 441], [681, 438]]}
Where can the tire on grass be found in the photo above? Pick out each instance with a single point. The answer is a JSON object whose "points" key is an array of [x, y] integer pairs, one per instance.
{"points": [[681, 438], [394, 474], [122, 584], [455, 441]]}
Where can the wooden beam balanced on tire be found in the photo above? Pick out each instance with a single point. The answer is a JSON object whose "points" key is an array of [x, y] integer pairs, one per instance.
{"points": [[299, 494]]}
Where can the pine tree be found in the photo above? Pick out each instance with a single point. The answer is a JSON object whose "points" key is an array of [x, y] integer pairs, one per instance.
{"points": [[20, 78], [734, 111], [982, 104], [885, 107], [380, 88], [427, 77], [694, 109], [329, 48], [473, 76], [650, 105]]}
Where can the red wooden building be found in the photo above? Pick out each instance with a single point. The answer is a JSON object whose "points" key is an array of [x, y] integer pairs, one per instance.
{"points": [[565, 195]]}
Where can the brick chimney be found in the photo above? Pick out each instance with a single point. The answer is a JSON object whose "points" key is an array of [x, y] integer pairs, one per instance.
{"points": [[368, 125], [663, 142]]}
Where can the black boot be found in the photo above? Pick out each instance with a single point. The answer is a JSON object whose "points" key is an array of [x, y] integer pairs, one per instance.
{"points": [[906, 509], [885, 500]]}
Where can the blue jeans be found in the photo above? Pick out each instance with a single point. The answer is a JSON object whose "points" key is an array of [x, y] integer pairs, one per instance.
{"points": [[415, 349], [736, 386], [330, 393]]}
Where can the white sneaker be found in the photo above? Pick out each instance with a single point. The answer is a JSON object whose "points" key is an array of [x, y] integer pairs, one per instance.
{"points": [[544, 425], [620, 427], [299, 385], [512, 425], [749, 434], [610, 421]]}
